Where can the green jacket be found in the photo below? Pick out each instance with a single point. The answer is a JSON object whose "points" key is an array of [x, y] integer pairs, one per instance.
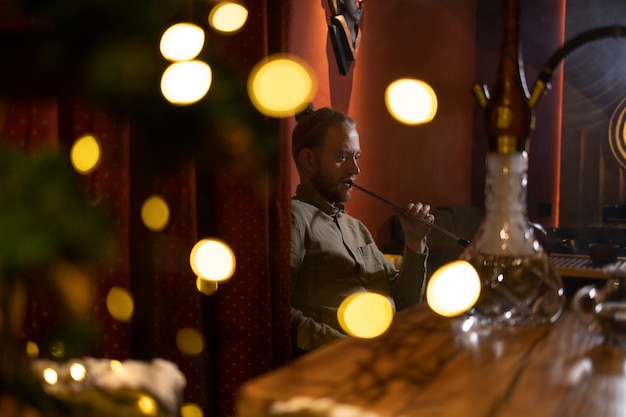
{"points": [[333, 255]]}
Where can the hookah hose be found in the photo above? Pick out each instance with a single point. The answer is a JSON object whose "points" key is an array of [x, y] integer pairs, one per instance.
{"points": [[543, 81]]}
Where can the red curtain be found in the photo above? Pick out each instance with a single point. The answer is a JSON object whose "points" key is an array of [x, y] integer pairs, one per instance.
{"points": [[252, 310], [246, 322]]}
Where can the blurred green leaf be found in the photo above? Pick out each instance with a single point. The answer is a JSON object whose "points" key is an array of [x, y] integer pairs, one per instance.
{"points": [[44, 216]]}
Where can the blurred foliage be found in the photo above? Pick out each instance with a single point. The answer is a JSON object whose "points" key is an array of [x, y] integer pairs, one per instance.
{"points": [[44, 217], [51, 239]]}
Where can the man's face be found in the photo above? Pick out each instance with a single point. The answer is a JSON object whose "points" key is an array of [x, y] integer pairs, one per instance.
{"points": [[337, 164]]}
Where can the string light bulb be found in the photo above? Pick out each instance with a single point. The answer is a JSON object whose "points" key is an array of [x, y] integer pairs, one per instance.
{"points": [[155, 213], [182, 42], [281, 85], [212, 259], [120, 304], [206, 286], [78, 372], [186, 82], [453, 289], [85, 154], [411, 101], [365, 314], [191, 410], [228, 17], [190, 341]]}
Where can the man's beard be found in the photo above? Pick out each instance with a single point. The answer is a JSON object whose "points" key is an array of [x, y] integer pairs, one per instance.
{"points": [[329, 189]]}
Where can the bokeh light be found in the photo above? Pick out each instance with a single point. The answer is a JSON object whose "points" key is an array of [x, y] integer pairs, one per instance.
{"points": [[186, 82], [205, 286], [50, 376], [78, 372], [182, 42], [281, 86], [212, 259], [32, 349], [155, 214], [411, 101], [85, 154], [365, 314], [228, 17], [453, 289], [147, 405], [116, 366], [190, 341], [120, 304], [191, 410], [75, 285]]}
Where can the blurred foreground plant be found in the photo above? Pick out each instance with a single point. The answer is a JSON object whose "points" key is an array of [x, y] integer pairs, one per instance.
{"points": [[50, 242]]}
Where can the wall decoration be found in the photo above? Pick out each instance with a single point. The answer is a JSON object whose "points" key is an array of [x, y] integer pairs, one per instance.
{"points": [[617, 133], [344, 31]]}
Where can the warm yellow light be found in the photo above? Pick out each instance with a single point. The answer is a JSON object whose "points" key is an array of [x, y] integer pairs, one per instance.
{"points": [[186, 82], [116, 366], [212, 259], [155, 213], [365, 314], [147, 405], [32, 349], [205, 286], [191, 410], [453, 289], [228, 17], [281, 85], [182, 42], [78, 372], [50, 376], [190, 341], [85, 154], [411, 101], [120, 304]]}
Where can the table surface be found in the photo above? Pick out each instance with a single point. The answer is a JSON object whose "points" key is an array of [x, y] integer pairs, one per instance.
{"points": [[422, 366]]}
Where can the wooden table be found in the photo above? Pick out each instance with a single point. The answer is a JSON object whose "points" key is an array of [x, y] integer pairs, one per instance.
{"points": [[423, 367]]}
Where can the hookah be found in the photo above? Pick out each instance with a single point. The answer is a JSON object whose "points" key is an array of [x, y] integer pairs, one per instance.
{"points": [[518, 284]]}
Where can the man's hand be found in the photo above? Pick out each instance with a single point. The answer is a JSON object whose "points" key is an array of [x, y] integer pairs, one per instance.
{"points": [[415, 231]]}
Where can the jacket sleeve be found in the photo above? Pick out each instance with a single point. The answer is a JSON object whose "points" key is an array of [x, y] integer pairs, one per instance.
{"points": [[309, 334], [408, 287]]}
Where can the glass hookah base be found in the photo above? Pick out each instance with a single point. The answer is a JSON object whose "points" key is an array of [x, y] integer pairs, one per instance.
{"points": [[516, 290]]}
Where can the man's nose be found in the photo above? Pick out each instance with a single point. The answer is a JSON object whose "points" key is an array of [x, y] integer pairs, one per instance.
{"points": [[354, 167]]}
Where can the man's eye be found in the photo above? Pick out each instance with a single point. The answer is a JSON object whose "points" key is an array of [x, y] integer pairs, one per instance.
{"points": [[342, 158]]}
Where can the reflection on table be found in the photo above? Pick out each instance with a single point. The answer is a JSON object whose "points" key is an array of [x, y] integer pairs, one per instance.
{"points": [[422, 366]]}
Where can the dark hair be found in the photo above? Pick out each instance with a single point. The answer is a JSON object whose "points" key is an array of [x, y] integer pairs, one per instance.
{"points": [[312, 126]]}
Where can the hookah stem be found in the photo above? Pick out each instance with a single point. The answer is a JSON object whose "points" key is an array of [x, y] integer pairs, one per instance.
{"points": [[460, 240], [615, 31]]}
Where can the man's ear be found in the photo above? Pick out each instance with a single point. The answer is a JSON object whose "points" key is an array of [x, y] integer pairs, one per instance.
{"points": [[308, 159]]}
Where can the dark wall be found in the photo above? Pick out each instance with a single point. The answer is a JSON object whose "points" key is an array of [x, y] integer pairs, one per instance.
{"points": [[593, 155]]}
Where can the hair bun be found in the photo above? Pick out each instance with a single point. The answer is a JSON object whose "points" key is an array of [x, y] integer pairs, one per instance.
{"points": [[304, 113]]}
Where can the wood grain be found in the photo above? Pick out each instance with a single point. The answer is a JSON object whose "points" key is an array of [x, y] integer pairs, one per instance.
{"points": [[424, 366]]}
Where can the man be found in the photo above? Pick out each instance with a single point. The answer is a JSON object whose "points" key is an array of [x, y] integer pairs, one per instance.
{"points": [[333, 254]]}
